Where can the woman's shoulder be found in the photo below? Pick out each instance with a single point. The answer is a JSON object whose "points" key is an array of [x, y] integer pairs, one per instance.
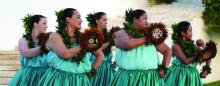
{"points": [[22, 40], [175, 46], [55, 35], [121, 32]]}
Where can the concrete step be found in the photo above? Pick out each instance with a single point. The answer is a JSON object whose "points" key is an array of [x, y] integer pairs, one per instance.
{"points": [[9, 68], [4, 81], [9, 57], [7, 74], [9, 63]]}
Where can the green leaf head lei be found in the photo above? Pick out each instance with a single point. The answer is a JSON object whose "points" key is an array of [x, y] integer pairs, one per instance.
{"points": [[64, 34], [28, 30]]}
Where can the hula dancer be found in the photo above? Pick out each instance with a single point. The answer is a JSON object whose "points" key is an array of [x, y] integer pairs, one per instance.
{"points": [[183, 71], [33, 52], [136, 57], [67, 59], [106, 71]]}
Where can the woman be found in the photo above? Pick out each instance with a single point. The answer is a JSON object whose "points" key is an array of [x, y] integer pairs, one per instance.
{"points": [[136, 58], [32, 59], [105, 72], [68, 62], [183, 71]]}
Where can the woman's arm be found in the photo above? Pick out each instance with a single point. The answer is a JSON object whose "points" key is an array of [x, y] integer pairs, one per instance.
{"points": [[166, 51], [123, 41], [57, 44], [99, 57], [105, 45], [25, 50], [179, 53]]}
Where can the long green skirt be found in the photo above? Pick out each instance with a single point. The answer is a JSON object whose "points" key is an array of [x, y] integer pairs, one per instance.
{"points": [[104, 75], [29, 76], [137, 78], [182, 76], [55, 77]]}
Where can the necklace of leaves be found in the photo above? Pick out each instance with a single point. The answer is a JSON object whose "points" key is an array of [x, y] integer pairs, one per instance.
{"points": [[66, 38]]}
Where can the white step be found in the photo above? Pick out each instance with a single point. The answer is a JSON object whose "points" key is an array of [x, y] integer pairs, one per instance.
{"points": [[9, 57], [9, 68], [4, 81], [7, 74], [9, 62]]}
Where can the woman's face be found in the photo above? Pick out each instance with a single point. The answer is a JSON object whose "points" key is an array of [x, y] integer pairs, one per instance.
{"points": [[141, 23], [188, 34], [102, 22], [75, 21], [41, 26]]}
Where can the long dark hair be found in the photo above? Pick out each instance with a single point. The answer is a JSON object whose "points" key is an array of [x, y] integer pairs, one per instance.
{"points": [[182, 27], [135, 14], [62, 23], [130, 14], [29, 21], [35, 19], [92, 17]]}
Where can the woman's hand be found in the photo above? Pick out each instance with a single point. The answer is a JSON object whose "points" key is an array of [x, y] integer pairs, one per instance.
{"points": [[203, 74], [161, 73]]}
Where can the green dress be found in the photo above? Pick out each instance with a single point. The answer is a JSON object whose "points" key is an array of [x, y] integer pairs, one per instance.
{"points": [[105, 72], [31, 71], [137, 67], [180, 74], [66, 72]]}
